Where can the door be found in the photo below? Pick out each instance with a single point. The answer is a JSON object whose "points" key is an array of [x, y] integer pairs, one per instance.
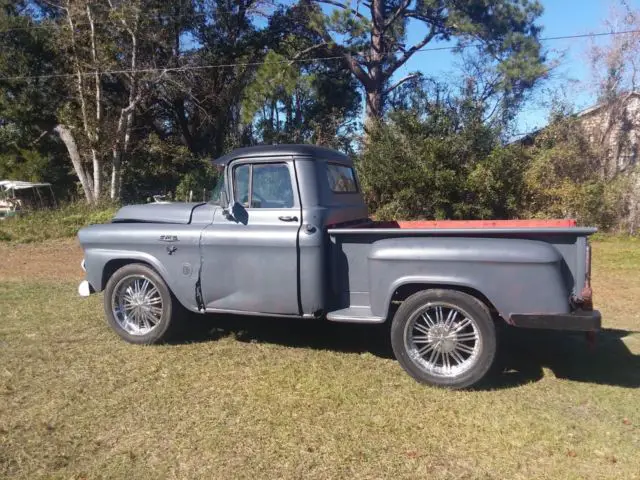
{"points": [[250, 258]]}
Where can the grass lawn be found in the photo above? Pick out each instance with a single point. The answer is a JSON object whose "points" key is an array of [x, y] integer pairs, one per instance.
{"points": [[265, 398]]}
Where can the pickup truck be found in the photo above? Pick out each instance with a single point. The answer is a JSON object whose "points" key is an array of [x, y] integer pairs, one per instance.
{"points": [[287, 234]]}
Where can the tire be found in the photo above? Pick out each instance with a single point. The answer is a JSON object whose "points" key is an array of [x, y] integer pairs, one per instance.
{"points": [[133, 322], [424, 331]]}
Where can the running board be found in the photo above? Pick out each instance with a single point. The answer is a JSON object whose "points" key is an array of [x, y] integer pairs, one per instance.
{"points": [[354, 315]]}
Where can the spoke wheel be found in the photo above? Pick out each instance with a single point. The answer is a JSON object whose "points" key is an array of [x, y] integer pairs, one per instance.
{"points": [[137, 305], [443, 339]]}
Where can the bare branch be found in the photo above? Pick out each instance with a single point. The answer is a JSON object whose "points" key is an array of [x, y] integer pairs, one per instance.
{"points": [[400, 82], [397, 63], [394, 16], [301, 53], [357, 69], [344, 6]]}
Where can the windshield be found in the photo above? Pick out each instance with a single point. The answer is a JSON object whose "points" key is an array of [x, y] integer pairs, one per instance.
{"points": [[216, 197]]}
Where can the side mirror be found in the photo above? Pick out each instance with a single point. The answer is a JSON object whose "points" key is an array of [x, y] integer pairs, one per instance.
{"points": [[228, 209]]}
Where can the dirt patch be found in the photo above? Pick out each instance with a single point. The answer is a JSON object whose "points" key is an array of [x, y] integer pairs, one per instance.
{"points": [[52, 260]]}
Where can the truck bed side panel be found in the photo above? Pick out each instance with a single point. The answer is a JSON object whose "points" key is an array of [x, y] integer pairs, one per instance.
{"points": [[524, 271], [515, 275]]}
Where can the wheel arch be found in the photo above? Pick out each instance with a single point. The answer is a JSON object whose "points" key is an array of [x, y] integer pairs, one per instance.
{"points": [[101, 264], [113, 265], [403, 290]]}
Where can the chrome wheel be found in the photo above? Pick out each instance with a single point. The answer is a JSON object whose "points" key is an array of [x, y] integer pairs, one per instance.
{"points": [[442, 339], [137, 305]]}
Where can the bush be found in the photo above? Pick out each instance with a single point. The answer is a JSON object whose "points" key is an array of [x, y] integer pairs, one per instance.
{"points": [[445, 165], [441, 166], [158, 167], [62, 222], [564, 179]]}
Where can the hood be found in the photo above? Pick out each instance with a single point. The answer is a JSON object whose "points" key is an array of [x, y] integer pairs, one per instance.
{"points": [[157, 213]]}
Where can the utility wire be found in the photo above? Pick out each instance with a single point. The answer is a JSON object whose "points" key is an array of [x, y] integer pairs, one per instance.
{"points": [[186, 68]]}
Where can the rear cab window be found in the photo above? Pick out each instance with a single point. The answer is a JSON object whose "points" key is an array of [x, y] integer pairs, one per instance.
{"points": [[342, 179]]}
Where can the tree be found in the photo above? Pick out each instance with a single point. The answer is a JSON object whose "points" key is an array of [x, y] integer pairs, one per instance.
{"points": [[371, 36], [615, 72], [292, 100], [28, 109], [90, 64], [112, 52], [615, 65], [201, 107]]}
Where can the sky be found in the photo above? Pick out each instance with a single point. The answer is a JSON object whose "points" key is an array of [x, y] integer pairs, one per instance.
{"points": [[560, 18]]}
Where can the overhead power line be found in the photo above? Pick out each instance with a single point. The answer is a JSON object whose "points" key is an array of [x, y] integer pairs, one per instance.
{"points": [[186, 68]]}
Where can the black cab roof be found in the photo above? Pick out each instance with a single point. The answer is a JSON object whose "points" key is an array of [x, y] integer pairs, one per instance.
{"points": [[300, 150]]}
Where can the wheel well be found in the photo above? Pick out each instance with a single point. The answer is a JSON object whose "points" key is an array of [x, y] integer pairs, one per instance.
{"points": [[405, 291], [112, 266]]}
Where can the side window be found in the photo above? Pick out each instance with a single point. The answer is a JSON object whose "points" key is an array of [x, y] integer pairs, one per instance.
{"points": [[266, 185], [241, 184], [341, 179]]}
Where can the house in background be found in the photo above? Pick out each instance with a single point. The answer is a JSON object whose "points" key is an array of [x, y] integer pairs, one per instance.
{"points": [[613, 128]]}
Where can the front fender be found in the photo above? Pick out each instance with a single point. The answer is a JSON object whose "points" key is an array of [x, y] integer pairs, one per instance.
{"points": [[96, 260], [515, 275], [177, 259]]}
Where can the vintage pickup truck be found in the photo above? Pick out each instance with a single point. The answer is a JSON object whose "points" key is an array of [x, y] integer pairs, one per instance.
{"points": [[288, 235]]}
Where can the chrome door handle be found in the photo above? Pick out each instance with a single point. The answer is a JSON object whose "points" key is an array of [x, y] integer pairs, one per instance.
{"points": [[286, 218]]}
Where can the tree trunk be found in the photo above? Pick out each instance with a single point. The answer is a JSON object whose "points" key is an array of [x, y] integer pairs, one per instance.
{"points": [[123, 131], [375, 100], [97, 174], [95, 138], [375, 85], [69, 141], [116, 178]]}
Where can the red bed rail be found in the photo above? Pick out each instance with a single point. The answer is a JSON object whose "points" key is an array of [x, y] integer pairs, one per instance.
{"points": [[559, 223]]}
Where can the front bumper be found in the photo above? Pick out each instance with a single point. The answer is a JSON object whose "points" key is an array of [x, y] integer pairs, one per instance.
{"points": [[84, 289], [579, 321]]}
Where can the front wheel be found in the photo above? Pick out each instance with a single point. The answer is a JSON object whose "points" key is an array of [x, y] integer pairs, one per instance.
{"points": [[444, 338], [139, 306]]}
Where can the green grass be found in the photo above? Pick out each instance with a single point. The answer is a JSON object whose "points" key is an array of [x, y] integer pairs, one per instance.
{"points": [[263, 398], [62, 222]]}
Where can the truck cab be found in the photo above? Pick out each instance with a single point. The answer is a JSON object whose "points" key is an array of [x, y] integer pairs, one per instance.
{"points": [[271, 229]]}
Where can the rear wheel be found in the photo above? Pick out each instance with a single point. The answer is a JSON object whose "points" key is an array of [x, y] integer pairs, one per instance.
{"points": [[444, 338], [139, 306]]}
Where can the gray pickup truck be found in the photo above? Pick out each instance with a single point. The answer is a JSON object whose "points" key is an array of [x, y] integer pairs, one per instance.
{"points": [[288, 235]]}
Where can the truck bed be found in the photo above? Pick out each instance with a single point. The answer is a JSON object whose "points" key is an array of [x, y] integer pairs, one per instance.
{"points": [[355, 249]]}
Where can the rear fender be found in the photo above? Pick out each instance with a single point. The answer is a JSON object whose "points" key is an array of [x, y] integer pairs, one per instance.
{"points": [[514, 275]]}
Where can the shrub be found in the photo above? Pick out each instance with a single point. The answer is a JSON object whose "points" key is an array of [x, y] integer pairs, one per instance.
{"points": [[62, 222], [441, 166], [565, 179]]}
